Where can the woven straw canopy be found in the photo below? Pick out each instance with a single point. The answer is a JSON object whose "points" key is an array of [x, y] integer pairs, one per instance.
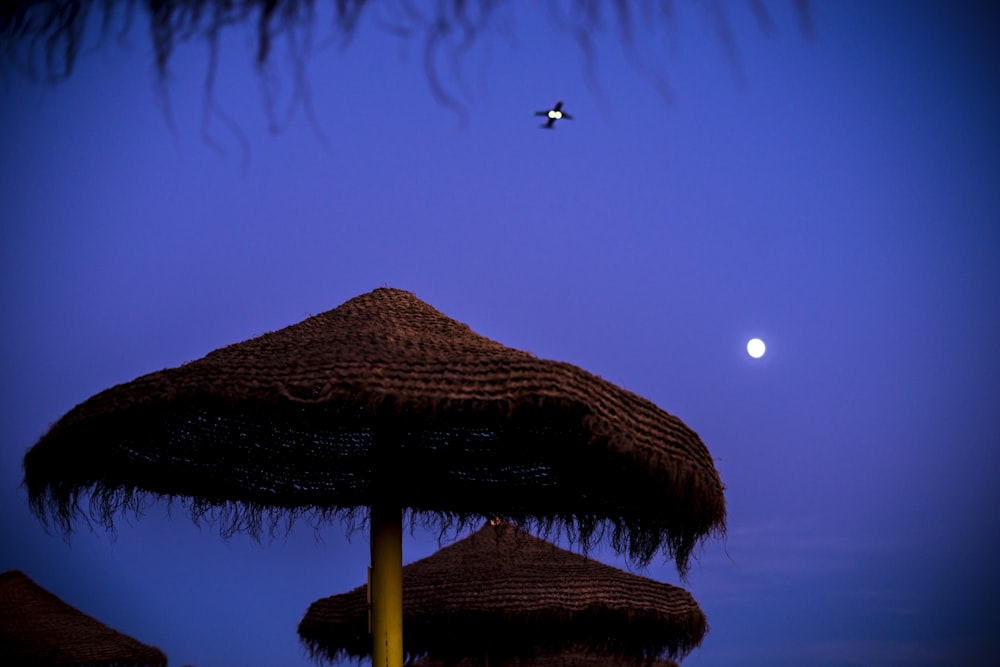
{"points": [[565, 659], [37, 628], [385, 393], [503, 593]]}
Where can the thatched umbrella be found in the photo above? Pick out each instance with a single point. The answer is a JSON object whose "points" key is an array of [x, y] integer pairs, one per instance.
{"points": [[382, 404], [564, 659], [508, 596], [37, 628]]}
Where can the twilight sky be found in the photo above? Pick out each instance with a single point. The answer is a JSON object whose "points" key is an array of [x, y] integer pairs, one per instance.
{"points": [[839, 199]]}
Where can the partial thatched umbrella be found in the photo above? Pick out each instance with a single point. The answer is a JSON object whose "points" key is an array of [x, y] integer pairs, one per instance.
{"points": [[506, 595], [381, 404], [37, 628], [564, 659]]}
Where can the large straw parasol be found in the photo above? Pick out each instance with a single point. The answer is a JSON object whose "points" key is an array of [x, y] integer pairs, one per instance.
{"points": [[506, 595], [569, 658], [37, 628], [380, 405]]}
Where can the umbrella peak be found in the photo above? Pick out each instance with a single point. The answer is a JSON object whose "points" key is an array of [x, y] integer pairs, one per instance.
{"points": [[391, 323]]}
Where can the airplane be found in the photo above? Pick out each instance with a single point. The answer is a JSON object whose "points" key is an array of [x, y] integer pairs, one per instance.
{"points": [[553, 114]]}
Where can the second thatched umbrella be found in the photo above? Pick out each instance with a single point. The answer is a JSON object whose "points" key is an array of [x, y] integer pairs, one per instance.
{"points": [[502, 594], [37, 628], [564, 659], [382, 405]]}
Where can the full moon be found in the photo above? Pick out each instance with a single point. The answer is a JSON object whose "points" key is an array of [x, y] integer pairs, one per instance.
{"points": [[755, 348]]}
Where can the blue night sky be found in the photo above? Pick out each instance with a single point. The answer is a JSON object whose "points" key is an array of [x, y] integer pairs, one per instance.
{"points": [[836, 195]]}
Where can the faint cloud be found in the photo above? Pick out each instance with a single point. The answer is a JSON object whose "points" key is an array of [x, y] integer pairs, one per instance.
{"points": [[897, 602], [788, 547], [852, 653], [877, 652], [759, 558]]}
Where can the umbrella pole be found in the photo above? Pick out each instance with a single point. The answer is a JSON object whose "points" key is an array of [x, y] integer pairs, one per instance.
{"points": [[387, 586]]}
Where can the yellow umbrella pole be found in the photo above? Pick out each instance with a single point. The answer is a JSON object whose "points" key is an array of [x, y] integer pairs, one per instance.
{"points": [[386, 587]]}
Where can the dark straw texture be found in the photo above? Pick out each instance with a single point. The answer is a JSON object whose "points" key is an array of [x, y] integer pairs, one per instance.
{"points": [[502, 594], [37, 628], [385, 398], [577, 658]]}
